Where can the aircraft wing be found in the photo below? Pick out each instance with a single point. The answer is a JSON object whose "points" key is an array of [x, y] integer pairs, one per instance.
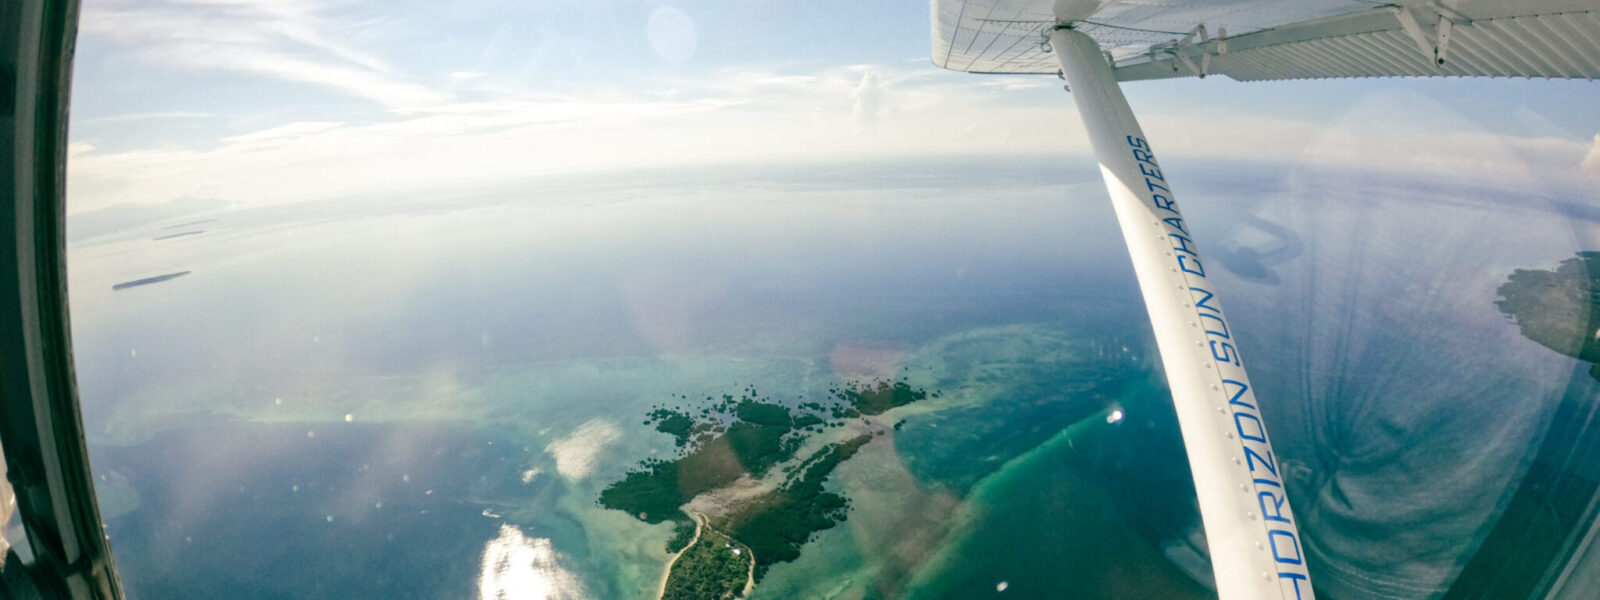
{"points": [[1259, 40]]}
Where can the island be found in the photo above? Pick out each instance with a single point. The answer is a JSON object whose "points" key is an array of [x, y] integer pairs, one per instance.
{"points": [[1559, 308], [177, 235], [740, 482], [148, 280], [714, 566], [189, 224]]}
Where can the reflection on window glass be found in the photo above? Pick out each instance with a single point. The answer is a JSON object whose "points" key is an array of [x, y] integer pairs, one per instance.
{"points": [[408, 300], [11, 534]]}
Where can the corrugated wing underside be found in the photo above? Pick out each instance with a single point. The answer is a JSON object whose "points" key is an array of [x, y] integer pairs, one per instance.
{"points": [[1281, 39]]}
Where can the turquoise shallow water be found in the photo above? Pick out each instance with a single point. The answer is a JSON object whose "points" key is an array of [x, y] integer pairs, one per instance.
{"points": [[538, 336], [344, 362], [352, 495], [1049, 520], [1019, 478]]}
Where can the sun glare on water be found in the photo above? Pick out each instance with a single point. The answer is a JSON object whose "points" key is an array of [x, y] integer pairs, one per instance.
{"points": [[517, 567]]}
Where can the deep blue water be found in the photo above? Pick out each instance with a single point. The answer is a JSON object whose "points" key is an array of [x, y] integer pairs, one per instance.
{"points": [[1364, 308], [259, 510]]}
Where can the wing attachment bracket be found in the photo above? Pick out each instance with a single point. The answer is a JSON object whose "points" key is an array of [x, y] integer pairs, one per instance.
{"points": [[1428, 23], [1194, 55]]}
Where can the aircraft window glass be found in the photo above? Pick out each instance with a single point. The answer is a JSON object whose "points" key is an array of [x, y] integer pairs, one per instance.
{"points": [[11, 533], [406, 300]]}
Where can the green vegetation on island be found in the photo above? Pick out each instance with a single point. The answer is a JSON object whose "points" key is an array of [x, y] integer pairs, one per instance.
{"points": [[777, 524], [1559, 309], [734, 438], [714, 568], [734, 449], [682, 535], [676, 424], [878, 397]]}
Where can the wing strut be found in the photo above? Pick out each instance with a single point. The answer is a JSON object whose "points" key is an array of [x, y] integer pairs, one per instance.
{"points": [[1256, 549]]}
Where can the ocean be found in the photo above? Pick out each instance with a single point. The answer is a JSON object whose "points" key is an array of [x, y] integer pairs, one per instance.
{"points": [[423, 397]]}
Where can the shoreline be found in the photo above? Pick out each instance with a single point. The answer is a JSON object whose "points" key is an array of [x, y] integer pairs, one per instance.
{"points": [[701, 523], [749, 575]]}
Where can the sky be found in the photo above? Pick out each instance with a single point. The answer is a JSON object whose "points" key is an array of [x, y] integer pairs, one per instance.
{"points": [[255, 102]]}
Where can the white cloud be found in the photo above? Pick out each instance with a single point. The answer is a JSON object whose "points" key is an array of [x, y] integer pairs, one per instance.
{"points": [[577, 454], [146, 116], [1025, 82], [284, 133], [1394, 131], [373, 85], [868, 96], [509, 132], [1590, 165], [287, 40], [735, 116]]}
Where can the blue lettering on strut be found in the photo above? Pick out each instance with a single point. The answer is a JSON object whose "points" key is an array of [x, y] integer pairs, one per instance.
{"points": [[1252, 457], [1248, 424], [1176, 223], [1294, 544], [1183, 244], [1275, 511], [1294, 579], [1225, 352], [1260, 434], [1185, 262], [1165, 204], [1151, 171], [1201, 303], [1222, 333], [1234, 400]]}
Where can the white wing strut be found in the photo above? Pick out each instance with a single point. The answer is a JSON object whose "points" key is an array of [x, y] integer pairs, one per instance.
{"points": [[1255, 545]]}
